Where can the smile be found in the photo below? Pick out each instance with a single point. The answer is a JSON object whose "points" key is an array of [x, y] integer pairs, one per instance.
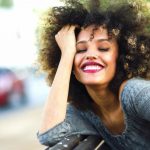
{"points": [[92, 67]]}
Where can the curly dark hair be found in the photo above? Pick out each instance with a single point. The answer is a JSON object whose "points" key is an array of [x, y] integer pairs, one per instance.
{"points": [[128, 21]]}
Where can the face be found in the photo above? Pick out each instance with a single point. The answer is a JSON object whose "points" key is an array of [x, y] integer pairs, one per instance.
{"points": [[96, 56]]}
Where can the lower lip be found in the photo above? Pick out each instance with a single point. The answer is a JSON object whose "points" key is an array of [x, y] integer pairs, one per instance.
{"points": [[91, 71]]}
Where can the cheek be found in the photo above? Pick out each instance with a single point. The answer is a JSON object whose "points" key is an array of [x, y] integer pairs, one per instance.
{"points": [[77, 61], [75, 67], [74, 63], [112, 57], [111, 61]]}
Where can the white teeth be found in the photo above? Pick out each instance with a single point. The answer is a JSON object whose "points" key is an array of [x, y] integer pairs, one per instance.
{"points": [[93, 67]]}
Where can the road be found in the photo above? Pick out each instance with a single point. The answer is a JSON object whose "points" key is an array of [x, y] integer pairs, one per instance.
{"points": [[19, 124], [18, 129]]}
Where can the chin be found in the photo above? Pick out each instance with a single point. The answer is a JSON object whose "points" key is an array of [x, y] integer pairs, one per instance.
{"points": [[94, 81]]}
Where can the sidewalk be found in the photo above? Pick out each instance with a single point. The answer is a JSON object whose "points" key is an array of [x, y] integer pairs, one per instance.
{"points": [[18, 130]]}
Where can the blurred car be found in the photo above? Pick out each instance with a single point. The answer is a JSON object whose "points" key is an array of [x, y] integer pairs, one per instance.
{"points": [[11, 88]]}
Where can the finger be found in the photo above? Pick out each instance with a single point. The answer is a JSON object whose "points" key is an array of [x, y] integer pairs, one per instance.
{"points": [[73, 27], [70, 27], [65, 28]]}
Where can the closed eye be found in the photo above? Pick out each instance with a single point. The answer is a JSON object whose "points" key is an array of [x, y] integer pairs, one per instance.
{"points": [[81, 51], [103, 49]]}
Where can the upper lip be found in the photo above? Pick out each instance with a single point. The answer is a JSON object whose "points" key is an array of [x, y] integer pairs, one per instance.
{"points": [[90, 63]]}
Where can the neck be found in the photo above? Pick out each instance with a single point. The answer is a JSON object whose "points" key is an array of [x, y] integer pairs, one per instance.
{"points": [[104, 99]]}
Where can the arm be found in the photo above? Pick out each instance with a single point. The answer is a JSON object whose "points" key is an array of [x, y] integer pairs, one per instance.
{"points": [[55, 107]]}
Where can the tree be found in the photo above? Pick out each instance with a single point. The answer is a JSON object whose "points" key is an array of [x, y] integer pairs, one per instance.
{"points": [[6, 3]]}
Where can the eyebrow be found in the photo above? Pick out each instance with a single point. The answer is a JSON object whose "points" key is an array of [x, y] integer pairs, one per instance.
{"points": [[99, 40]]}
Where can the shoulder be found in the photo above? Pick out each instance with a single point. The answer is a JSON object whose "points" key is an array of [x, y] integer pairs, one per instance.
{"points": [[72, 111], [73, 124], [135, 97], [78, 121], [133, 87], [73, 114]]}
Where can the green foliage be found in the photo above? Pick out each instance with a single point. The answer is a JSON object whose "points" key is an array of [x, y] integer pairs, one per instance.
{"points": [[101, 4], [6, 3]]}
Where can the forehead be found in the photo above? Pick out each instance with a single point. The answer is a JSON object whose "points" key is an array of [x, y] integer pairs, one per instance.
{"points": [[92, 31]]}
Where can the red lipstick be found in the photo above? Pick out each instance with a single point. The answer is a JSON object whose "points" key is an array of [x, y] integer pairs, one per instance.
{"points": [[91, 67]]}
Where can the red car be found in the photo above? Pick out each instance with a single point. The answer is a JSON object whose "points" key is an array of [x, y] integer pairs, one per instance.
{"points": [[11, 88]]}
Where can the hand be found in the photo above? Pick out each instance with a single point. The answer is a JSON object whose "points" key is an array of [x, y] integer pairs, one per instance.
{"points": [[66, 40]]}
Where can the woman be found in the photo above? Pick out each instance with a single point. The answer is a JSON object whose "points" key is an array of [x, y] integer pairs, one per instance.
{"points": [[97, 60]]}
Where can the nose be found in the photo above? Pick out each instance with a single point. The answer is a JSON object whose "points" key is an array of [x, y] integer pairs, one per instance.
{"points": [[91, 53], [91, 57]]}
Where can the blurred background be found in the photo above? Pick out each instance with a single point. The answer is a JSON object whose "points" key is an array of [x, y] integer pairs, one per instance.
{"points": [[22, 90]]}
